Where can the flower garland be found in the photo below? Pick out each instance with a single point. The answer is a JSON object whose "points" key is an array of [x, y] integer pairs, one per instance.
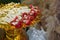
{"points": [[19, 16], [26, 18]]}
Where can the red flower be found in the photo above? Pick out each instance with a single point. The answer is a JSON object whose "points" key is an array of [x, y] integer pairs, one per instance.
{"points": [[31, 12], [15, 18], [24, 14], [31, 6], [27, 22], [19, 24], [31, 18]]}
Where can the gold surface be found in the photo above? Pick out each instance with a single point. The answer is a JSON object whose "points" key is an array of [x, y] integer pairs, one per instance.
{"points": [[14, 34]]}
